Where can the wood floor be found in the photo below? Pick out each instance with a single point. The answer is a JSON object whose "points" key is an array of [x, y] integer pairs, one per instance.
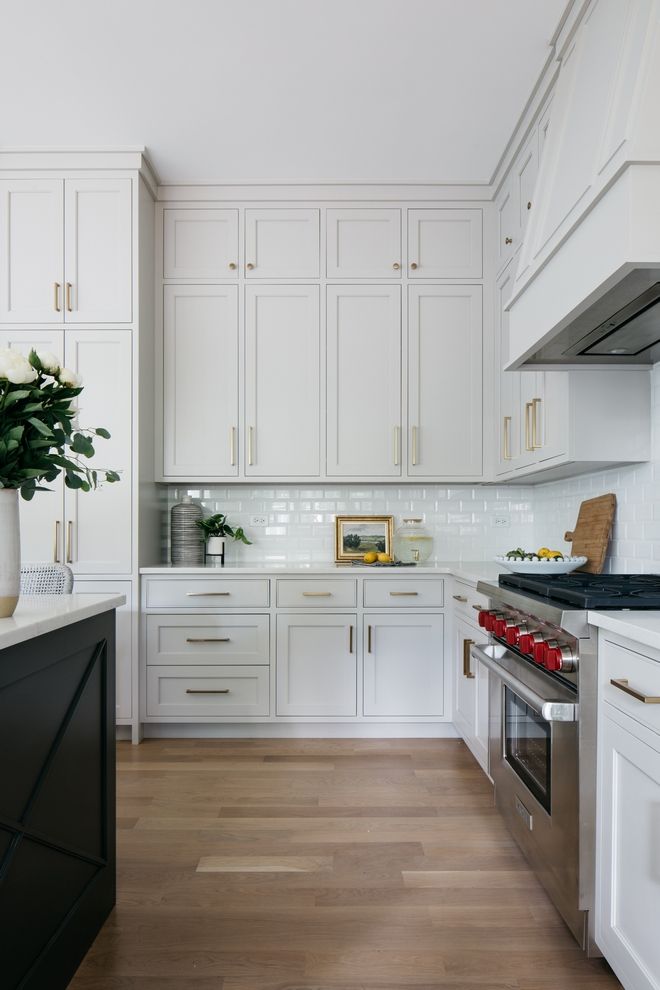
{"points": [[314, 864]]}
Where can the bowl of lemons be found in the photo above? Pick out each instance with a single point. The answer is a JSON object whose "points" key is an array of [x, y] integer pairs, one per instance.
{"points": [[541, 561]]}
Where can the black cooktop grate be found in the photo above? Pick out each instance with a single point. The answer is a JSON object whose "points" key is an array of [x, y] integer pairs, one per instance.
{"points": [[634, 591]]}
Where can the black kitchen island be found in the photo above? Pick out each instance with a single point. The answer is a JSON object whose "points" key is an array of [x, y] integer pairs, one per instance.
{"points": [[57, 785]]}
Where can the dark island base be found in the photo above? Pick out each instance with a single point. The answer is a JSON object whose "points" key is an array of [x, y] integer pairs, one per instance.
{"points": [[57, 801]]}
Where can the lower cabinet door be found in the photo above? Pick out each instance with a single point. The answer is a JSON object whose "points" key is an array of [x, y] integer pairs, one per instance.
{"points": [[403, 665], [316, 665], [123, 640], [465, 681], [207, 692], [627, 864]]}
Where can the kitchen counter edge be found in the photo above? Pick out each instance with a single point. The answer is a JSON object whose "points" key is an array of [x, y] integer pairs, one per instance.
{"points": [[37, 615]]}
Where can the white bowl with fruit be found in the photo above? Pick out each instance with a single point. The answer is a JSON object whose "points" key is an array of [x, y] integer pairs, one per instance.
{"points": [[542, 561]]}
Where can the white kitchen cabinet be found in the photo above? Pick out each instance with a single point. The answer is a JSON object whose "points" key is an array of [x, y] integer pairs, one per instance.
{"points": [[200, 243], [200, 376], [363, 243], [123, 639], [445, 390], [282, 243], [364, 381], [31, 250], [403, 665], [505, 213], [628, 799], [508, 432], [282, 381], [525, 170], [470, 678], [445, 244], [316, 665]]}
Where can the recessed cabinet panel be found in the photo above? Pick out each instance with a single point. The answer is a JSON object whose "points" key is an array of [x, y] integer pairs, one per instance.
{"points": [[282, 244], [403, 665], [364, 243], [203, 693], [506, 224], [508, 436], [316, 665], [364, 380], [123, 639], [200, 369], [97, 251], [207, 639], [445, 244], [282, 386], [31, 251], [445, 381], [525, 171], [200, 243]]}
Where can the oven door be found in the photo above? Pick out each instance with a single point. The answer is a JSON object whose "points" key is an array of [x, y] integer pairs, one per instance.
{"points": [[534, 755]]}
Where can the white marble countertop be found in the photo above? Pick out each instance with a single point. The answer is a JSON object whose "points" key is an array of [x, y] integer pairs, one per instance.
{"points": [[468, 571], [39, 614], [640, 626]]}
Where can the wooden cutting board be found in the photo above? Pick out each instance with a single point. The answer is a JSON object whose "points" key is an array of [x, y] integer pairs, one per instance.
{"points": [[592, 532]]}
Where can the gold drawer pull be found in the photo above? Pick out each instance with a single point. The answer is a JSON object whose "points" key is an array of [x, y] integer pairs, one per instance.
{"points": [[56, 299], [622, 684], [506, 452], [207, 594], [317, 594], [69, 307], [56, 547], [477, 608], [220, 639], [459, 598], [467, 643], [208, 691], [403, 594]]}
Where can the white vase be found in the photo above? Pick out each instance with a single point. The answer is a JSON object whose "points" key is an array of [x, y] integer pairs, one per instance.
{"points": [[215, 549], [10, 552]]}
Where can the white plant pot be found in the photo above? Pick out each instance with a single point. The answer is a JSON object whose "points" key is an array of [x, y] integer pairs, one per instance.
{"points": [[215, 547], [10, 552]]}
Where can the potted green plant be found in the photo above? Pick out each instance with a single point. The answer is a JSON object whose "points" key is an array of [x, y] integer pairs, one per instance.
{"points": [[216, 529]]}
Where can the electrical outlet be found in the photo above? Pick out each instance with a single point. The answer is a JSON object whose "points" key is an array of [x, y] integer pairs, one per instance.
{"points": [[503, 521], [258, 521]]}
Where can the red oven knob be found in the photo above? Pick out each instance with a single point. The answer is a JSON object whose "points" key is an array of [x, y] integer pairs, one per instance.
{"points": [[540, 649], [526, 643], [482, 618], [512, 635], [499, 627], [553, 658]]}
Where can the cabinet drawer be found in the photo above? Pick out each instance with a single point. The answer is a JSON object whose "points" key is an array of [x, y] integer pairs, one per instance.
{"points": [[207, 692], [642, 672], [467, 602], [404, 593], [214, 593], [205, 639], [319, 593]]}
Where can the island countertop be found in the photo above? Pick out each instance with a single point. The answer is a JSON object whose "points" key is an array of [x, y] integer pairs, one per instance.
{"points": [[36, 615]]}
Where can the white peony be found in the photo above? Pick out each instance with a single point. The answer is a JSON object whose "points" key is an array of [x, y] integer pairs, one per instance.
{"points": [[16, 368], [49, 362], [70, 378]]}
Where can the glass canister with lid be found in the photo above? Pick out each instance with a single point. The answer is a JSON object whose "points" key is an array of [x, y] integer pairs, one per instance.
{"points": [[413, 544]]}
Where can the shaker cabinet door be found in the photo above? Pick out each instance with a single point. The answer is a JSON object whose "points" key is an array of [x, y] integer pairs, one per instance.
{"points": [[200, 243], [282, 243], [200, 376], [364, 380], [445, 244], [403, 665], [282, 381], [31, 251], [364, 243], [316, 665]]}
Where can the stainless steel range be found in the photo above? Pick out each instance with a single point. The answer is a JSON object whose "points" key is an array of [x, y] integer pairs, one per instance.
{"points": [[542, 656]]}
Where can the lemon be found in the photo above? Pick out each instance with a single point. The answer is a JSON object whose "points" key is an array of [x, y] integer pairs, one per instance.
{"points": [[543, 552], [384, 558], [371, 557]]}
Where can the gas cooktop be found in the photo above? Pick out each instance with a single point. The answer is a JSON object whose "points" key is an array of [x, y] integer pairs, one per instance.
{"points": [[602, 591]]}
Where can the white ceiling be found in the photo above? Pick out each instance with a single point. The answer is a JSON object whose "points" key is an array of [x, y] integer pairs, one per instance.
{"points": [[250, 90]]}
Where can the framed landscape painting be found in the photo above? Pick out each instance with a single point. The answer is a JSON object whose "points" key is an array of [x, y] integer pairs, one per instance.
{"points": [[357, 535]]}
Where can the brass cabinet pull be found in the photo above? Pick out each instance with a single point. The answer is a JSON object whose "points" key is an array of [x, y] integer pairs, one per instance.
{"points": [[528, 411], [350, 639], [397, 431], [69, 529], [232, 446], [467, 643], [232, 265], [250, 444], [529, 204], [396, 266], [477, 608], [56, 548], [506, 453], [206, 594], [368, 639], [414, 446], [404, 594], [536, 404], [56, 297], [250, 266], [414, 265], [209, 691], [69, 307], [317, 594], [459, 598], [218, 639], [622, 684], [508, 240]]}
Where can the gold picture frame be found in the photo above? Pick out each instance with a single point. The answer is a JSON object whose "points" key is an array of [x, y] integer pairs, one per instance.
{"points": [[357, 535]]}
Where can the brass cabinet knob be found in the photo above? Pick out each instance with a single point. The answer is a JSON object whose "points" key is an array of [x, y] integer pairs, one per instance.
{"points": [[508, 240], [529, 204], [232, 265], [413, 265], [396, 266], [249, 266]]}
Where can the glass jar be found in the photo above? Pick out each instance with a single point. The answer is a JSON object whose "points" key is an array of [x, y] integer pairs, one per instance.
{"points": [[413, 544]]}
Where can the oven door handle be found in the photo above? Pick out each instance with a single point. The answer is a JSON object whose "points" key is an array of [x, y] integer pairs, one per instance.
{"points": [[551, 711]]}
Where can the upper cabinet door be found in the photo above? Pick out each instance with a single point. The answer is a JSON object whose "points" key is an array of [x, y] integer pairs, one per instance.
{"points": [[364, 243], [200, 376], [524, 177], [200, 243], [364, 380], [282, 244], [282, 381], [445, 381], [506, 224], [445, 243], [97, 251], [31, 251]]}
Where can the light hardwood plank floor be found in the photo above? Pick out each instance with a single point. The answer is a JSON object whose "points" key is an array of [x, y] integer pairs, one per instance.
{"points": [[323, 865]]}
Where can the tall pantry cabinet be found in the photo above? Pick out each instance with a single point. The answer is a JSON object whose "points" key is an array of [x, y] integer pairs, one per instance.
{"points": [[76, 278]]}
